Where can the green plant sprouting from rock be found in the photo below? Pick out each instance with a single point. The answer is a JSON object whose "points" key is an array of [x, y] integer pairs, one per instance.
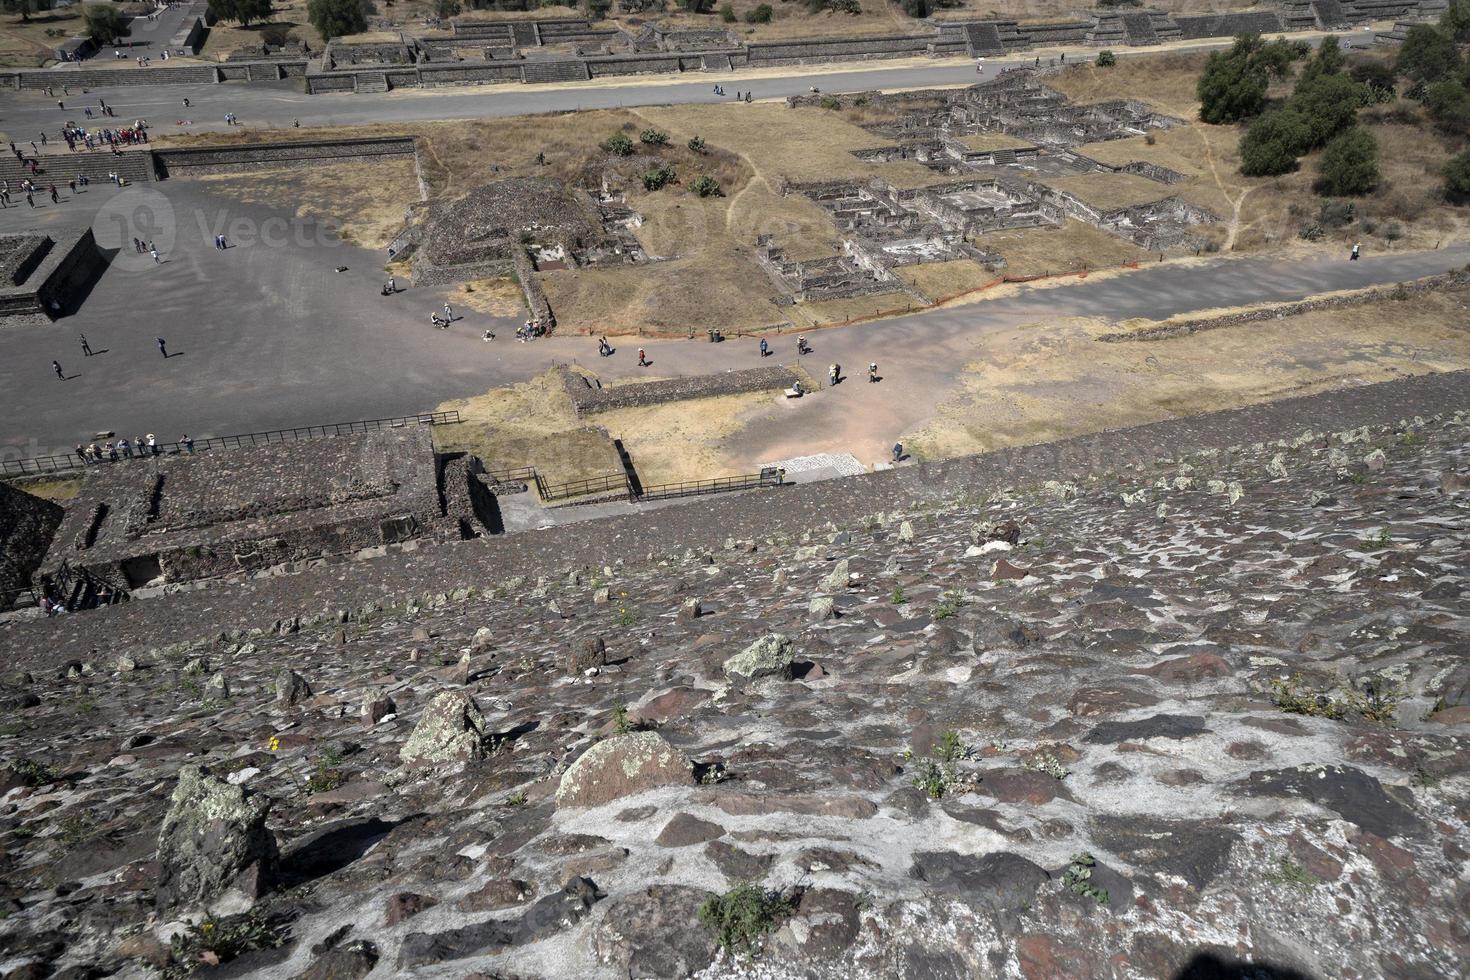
{"points": [[741, 918], [1078, 878]]}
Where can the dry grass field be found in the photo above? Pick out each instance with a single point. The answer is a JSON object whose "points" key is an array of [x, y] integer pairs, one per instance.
{"points": [[1051, 380], [530, 424], [1406, 211], [366, 201]]}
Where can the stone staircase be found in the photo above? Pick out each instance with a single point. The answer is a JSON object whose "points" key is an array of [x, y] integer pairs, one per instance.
{"points": [[136, 166], [1138, 29], [371, 81], [716, 62], [554, 71], [1330, 14], [983, 40]]}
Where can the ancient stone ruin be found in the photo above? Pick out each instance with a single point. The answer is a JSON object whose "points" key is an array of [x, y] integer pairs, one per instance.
{"points": [[146, 522], [44, 275]]}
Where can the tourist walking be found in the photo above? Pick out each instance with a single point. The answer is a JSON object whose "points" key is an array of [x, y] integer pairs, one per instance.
{"points": [[187, 443], [448, 313], [162, 347], [60, 374], [642, 358], [765, 347], [897, 451], [834, 374], [1357, 250], [872, 373], [153, 252], [86, 347]]}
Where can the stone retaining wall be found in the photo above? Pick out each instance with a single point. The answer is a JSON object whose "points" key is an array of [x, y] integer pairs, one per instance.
{"points": [[838, 49], [588, 396], [1452, 281], [536, 300], [46, 292], [193, 161], [27, 524]]}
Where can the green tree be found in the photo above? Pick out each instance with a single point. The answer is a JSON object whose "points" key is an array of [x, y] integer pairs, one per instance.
{"points": [[1328, 60], [245, 12], [727, 13], [445, 9], [104, 23], [1233, 85], [619, 145], [1329, 103], [26, 7], [1457, 178], [1349, 165], [338, 18], [697, 6], [759, 15], [705, 186], [1106, 59], [1427, 55], [1273, 142], [1455, 21], [918, 8]]}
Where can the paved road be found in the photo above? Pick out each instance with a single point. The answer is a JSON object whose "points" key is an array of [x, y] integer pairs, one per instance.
{"points": [[275, 105], [269, 335]]}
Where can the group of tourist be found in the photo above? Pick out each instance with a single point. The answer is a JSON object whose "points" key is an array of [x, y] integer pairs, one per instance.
{"points": [[78, 137], [142, 447], [530, 330]]}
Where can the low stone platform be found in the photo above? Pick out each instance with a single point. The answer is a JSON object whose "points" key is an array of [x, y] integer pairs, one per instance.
{"points": [[45, 276], [150, 521]]}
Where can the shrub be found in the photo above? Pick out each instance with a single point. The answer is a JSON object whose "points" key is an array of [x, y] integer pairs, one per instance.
{"points": [[1273, 142], [1457, 178], [705, 186], [1377, 77], [918, 8], [1337, 214], [742, 916], [219, 940], [618, 145], [1449, 103], [661, 177], [653, 137], [697, 144], [1329, 104], [727, 14], [1106, 59], [1427, 55], [759, 15], [845, 6], [1349, 165]]}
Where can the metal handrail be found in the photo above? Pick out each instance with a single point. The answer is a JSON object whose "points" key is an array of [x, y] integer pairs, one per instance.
{"points": [[71, 461], [584, 488]]}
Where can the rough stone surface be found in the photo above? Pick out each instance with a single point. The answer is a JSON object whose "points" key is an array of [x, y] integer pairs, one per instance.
{"points": [[769, 656], [451, 730], [213, 837], [621, 766]]}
